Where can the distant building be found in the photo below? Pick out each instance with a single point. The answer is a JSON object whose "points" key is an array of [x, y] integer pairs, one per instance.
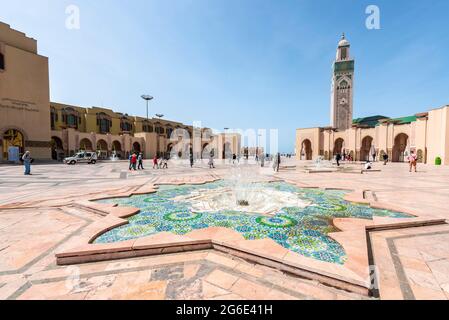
{"points": [[24, 95], [251, 151], [29, 121], [425, 133]]}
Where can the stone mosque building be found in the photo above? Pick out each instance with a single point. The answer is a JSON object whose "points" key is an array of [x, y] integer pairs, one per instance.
{"points": [[427, 133], [29, 121]]}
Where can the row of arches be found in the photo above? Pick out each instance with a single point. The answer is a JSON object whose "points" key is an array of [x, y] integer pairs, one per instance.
{"points": [[103, 149], [399, 152], [207, 151], [57, 148], [15, 138]]}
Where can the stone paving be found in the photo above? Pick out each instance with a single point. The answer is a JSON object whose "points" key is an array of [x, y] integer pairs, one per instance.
{"points": [[47, 213]]}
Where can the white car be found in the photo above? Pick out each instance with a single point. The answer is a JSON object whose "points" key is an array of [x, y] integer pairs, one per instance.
{"points": [[82, 157]]}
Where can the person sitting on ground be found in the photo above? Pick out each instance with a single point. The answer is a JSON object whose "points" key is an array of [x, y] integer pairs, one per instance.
{"points": [[385, 158], [368, 165]]}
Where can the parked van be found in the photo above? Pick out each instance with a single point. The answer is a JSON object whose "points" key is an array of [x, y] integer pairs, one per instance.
{"points": [[82, 157]]}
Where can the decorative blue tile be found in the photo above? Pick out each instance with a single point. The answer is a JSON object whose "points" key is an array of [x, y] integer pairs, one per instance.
{"points": [[301, 230]]}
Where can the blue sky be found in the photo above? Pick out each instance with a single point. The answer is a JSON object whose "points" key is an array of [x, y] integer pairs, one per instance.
{"points": [[240, 63]]}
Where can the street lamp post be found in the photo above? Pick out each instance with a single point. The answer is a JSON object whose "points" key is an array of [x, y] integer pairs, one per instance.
{"points": [[160, 116], [147, 98]]}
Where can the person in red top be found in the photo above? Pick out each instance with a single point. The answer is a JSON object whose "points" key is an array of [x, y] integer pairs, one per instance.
{"points": [[155, 166], [134, 162]]}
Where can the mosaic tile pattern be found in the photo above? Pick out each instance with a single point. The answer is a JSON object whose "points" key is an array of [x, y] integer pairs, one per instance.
{"points": [[302, 230]]}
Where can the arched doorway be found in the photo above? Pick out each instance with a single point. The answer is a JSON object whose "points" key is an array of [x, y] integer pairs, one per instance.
{"points": [[168, 152], [102, 149], [205, 151], [365, 150], [57, 149], [86, 145], [117, 148], [12, 138], [136, 147], [338, 146], [306, 150], [400, 148]]}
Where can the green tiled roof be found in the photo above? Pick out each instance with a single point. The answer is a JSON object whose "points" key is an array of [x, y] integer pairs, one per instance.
{"points": [[373, 121], [405, 120], [369, 121]]}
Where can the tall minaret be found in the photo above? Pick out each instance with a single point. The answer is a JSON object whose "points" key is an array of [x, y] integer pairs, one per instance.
{"points": [[342, 87]]}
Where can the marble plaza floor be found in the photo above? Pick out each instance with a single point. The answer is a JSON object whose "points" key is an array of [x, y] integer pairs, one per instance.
{"points": [[47, 222]]}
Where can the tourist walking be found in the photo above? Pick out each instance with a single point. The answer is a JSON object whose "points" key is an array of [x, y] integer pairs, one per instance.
{"points": [[133, 162], [338, 158], [234, 157], [412, 160], [277, 162], [27, 163], [160, 162], [164, 163], [191, 160], [140, 160], [211, 162], [130, 158], [155, 162]]}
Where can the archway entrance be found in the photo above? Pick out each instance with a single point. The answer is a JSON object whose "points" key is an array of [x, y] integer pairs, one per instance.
{"points": [[102, 149], [13, 139], [136, 147], [86, 145], [338, 146], [205, 152], [306, 150], [365, 150], [168, 153], [57, 149], [117, 149], [400, 148]]}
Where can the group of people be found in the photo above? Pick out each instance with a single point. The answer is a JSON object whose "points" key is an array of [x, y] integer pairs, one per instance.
{"points": [[136, 161], [412, 160], [160, 163]]}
